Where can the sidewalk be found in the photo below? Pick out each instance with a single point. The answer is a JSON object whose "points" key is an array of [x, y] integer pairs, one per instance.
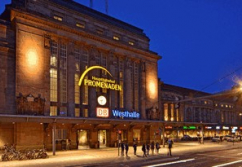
{"points": [[104, 155]]}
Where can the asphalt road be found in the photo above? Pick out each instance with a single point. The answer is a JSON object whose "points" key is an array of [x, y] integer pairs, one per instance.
{"points": [[185, 154], [227, 158]]}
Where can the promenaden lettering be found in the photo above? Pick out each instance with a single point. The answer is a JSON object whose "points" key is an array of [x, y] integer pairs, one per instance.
{"points": [[127, 114], [102, 83]]}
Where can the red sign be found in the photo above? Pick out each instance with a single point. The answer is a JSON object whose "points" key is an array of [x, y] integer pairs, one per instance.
{"points": [[102, 112], [168, 127]]}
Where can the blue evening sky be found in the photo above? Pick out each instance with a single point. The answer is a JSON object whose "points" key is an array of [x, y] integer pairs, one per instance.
{"points": [[200, 40]]}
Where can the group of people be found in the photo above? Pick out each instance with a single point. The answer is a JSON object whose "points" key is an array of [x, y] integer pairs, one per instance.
{"points": [[152, 146], [146, 148], [124, 146]]}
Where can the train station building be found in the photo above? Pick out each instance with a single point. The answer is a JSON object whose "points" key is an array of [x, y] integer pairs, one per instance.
{"points": [[72, 74]]}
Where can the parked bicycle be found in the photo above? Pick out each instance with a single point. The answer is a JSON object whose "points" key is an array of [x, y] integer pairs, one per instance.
{"points": [[10, 153]]}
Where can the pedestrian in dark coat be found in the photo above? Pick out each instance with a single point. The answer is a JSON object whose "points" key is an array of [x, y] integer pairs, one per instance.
{"points": [[144, 150], [126, 149], [122, 149], [148, 148], [157, 145], [135, 148], [170, 142], [152, 146]]}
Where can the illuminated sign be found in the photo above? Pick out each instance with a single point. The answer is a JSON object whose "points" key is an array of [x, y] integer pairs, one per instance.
{"points": [[168, 127], [102, 112], [225, 127], [189, 127], [102, 100], [125, 114], [208, 127], [217, 127], [99, 82], [234, 128]]}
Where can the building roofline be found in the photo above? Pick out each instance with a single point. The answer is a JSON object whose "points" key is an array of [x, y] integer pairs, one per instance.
{"points": [[98, 15]]}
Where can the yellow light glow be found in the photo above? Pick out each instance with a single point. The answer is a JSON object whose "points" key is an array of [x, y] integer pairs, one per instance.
{"points": [[32, 57], [152, 88]]}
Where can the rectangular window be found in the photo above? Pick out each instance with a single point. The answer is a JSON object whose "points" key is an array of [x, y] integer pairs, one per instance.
{"points": [[81, 25], [63, 73], [136, 87], [77, 89], [85, 100], [131, 43], [166, 112], [60, 134], [177, 115], [63, 111], [57, 18], [100, 31], [77, 112], [116, 38], [172, 112], [121, 95], [53, 71], [53, 110], [85, 112], [53, 85]]}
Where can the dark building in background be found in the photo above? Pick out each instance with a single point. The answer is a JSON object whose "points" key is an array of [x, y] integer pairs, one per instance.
{"points": [[214, 114]]}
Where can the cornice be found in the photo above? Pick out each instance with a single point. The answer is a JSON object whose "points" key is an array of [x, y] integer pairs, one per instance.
{"points": [[52, 24]]}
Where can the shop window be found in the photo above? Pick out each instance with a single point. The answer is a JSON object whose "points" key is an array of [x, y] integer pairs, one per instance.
{"points": [[136, 135], [60, 134]]}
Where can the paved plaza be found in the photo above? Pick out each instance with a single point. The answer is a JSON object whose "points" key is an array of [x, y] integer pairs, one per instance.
{"points": [[88, 157]]}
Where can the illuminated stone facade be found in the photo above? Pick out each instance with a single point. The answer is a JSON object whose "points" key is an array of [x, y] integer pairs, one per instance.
{"points": [[45, 46], [182, 105]]}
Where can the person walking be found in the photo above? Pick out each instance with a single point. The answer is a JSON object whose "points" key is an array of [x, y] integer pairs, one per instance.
{"points": [[152, 146], [157, 145], [148, 148], [135, 148], [122, 148], [144, 150], [170, 142], [126, 149]]}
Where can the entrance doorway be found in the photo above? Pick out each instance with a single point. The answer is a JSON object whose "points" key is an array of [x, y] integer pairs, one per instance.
{"points": [[102, 138], [82, 138]]}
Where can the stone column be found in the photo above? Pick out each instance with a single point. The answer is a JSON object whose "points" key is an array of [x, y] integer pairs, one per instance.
{"points": [[92, 94], [127, 86], [142, 90], [71, 80]]}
